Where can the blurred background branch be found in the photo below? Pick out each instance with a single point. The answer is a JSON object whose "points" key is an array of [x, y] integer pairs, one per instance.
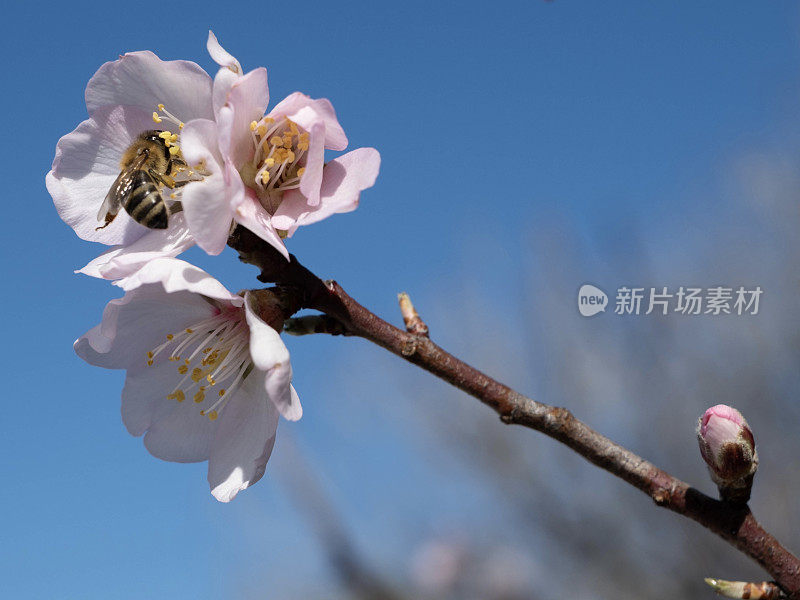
{"points": [[733, 522]]}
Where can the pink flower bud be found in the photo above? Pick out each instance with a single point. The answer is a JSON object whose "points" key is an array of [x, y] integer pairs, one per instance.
{"points": [[728, 447]]}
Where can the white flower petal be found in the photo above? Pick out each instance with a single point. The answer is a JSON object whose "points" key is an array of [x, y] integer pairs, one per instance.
{"points": [[143, 80], [221, 56], [122, 261], [136, 323], [243, 442], [270, 356], [175, 275], [179, 433], [207, 204], [223, 82], [86, 165], [144, 395]]}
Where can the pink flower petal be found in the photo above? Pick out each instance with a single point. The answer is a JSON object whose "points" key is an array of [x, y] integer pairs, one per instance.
{"points": [[311, 180], [306, 111], [142, 80], [247, 99], [251, 214], [343, 180]]}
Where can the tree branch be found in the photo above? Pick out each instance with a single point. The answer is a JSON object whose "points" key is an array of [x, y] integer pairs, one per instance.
{"points": [[734, 523]]}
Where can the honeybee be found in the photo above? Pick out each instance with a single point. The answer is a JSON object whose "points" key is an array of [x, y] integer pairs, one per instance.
{"points": [[147, 165]]}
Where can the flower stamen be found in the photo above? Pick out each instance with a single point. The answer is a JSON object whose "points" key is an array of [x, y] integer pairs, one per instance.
{"points": [[218, 350], [278, 159]]}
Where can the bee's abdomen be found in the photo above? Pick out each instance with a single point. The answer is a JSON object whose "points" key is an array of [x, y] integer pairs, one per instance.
{"points": [[145, 204]]}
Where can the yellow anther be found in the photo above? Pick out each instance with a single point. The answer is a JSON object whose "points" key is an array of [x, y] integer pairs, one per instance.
{"points": [[221, 393], [156, 118], [149, 355], [290, 156], [177, 395], [261, 130], [173, 195], [300, 171], [293, 127], [180, 126], [173, 359], [182, 369], [186, 361], [200, 396], [149, 362], [268, 120], [276, 140], [211, 380], [173, 150], [173, 138], [189, 330], [270, 162], [253, 125], [265, 177], [212, 416], [206, 350], [197, 374], [160, 107], [170, 336], [165, 135]]}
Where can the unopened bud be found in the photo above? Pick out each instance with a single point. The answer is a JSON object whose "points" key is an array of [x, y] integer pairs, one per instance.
{"points": [[766, 590], [728, 447]]}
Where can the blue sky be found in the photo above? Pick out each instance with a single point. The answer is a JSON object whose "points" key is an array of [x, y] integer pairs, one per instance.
{"points": [[494, 121]]}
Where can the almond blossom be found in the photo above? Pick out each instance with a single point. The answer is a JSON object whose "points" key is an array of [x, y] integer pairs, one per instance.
{"points": [[283, 181], [729, 449], [123, 99], [206, 376]]}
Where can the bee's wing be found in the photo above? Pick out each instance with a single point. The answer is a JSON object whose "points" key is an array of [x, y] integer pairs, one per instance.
{"points": [[120, 189]]}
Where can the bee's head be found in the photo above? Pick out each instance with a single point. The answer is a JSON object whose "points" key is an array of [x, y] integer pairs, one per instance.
{"points": [[152, 135]]}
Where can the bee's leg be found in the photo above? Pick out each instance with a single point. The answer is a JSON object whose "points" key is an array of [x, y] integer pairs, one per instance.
{"points": [[176, 165], [109, 218], [175, 207], [161, 178]]}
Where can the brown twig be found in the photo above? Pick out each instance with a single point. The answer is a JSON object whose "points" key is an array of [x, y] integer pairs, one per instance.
{"points": [[734, 523]]}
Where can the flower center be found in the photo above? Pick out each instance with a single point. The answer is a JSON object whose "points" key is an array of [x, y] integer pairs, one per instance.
{"points": [[214, 352], [278, 160]]}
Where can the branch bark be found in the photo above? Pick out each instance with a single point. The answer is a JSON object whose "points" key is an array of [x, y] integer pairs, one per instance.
{"points": [[732, 522]]}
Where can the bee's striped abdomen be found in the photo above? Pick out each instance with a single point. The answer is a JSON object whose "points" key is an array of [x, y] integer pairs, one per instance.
{"points": [[144, 203]]}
